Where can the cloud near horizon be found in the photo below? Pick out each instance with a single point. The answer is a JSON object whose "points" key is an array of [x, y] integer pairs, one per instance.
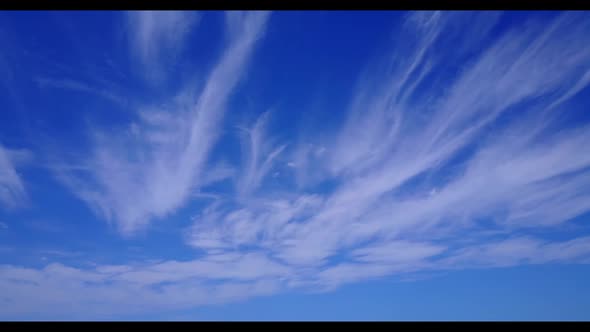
{"points": [[447, 158]]}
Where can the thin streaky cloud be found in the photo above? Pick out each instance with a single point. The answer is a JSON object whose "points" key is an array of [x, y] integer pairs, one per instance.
{"points": [[368, 200], [12, 187], [259, 155], [156, 38], [460, 148], [169, 151], [104, 290], [74, 85]]}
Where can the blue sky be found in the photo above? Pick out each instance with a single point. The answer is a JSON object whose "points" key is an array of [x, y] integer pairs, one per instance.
{"points": [[294, 165]]}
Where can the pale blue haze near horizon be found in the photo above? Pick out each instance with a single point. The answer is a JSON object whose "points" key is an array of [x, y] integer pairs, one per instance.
{"points": [[293, 165]]}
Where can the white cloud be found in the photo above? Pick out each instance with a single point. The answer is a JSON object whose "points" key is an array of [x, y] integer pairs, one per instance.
{"points": [[151, 170], [390, 163], [520, 250], [12, 189], [157, 37], [217, 173], [74, 85], [259, 154], [396, 252], [431, 170], [263, 223], [106, 291]]}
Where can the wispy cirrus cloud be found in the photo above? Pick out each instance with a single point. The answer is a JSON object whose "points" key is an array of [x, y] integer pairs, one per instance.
{"points": [[156, 37], [165, 151], [427, 164], [104, 291], [73, 85], [138, 288], [12, 188], [448, 158], [259, 155]]}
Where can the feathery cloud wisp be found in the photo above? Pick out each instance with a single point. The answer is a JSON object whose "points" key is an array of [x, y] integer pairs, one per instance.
{"points": [[391, 161], [156, 37], [167, 149], [12, 189], [447, 159]]}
